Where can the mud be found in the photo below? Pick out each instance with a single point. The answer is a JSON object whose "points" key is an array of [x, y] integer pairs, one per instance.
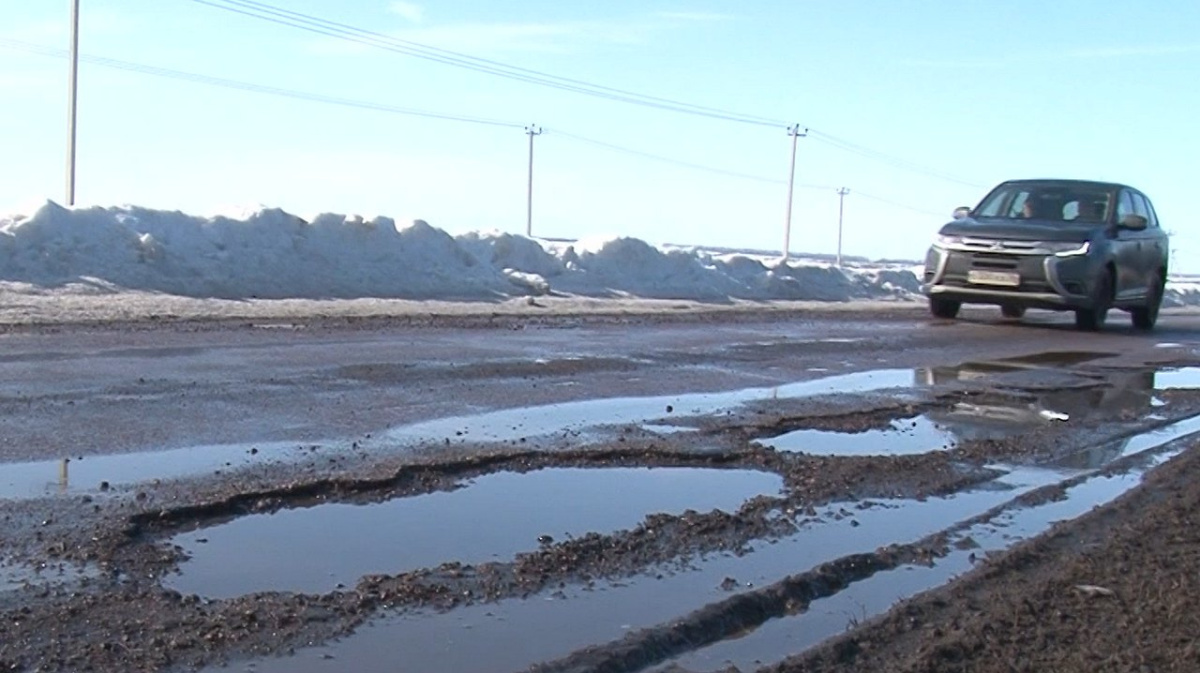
{"points": [[526, 538]]}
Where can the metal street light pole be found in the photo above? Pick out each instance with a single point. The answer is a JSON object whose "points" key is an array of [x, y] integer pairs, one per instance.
{"points": [[795, 132], [531, 130], [71, 102], [841, 203]]}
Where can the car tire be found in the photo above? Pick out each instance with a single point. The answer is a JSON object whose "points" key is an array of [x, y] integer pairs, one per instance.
{"points": [[1093, 319], [1012, 311], [1145, 317], [944, 308]]}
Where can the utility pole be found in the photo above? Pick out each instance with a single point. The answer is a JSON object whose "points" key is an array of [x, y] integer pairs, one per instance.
{"points": [[531, 131], [71, 102], [841, 208], [795, 132]]}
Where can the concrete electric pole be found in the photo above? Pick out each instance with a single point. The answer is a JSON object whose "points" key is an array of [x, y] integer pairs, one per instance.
{"points": [[841, 208], [71, 102], [531, 131], [795, 132]]}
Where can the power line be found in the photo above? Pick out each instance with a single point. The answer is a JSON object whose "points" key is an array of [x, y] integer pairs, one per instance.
{"points": [[897, 204], [320, 26], [249, 86], [317, 25], [207, 80], [667, 160], [895, 162]]}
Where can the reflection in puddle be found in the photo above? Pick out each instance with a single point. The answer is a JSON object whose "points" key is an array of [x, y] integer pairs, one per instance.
{"points": [[492, 519], [527, 422], [778, 639], [514, 634], [1124, 393], [1182, 378], [903, 437], [971, 371], [87, 474]]}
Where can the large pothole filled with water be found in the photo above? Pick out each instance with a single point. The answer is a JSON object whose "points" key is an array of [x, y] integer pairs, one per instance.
{"points": [[490, 518]]}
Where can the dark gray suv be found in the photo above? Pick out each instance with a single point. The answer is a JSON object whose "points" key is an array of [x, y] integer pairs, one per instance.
{"points": [[1063, 245]]}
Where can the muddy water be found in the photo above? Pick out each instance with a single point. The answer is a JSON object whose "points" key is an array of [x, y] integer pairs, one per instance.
{"points": [[777, 639], [96, 473], [515, 634], [904, 436], [78, 475], [572, 417], [491, 519]]}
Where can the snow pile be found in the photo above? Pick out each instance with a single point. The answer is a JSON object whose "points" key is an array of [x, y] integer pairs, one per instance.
{"points": [[271, 254], [267, 253]]}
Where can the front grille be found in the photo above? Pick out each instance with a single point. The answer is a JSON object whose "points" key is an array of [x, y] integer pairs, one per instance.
{"points": [[986, 260], [999, 246]]}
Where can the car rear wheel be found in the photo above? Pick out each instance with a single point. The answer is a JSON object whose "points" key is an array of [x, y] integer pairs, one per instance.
{"points": [[1145, 317], [944, 308], [1093, 319], [1011, 311]]}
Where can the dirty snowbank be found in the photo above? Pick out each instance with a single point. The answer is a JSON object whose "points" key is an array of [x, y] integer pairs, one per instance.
{"points": [[271, 254]]}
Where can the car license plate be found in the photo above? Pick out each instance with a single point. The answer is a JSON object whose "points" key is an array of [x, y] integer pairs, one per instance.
{"points": [[1004, 278]]}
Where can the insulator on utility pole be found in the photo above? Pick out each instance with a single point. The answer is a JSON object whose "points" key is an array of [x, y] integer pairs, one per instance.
{"points": [[795, 132], [71, 102], [531, 131], [842, 192]]}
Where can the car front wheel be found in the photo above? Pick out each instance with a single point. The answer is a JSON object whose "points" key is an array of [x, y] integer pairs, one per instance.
{"points": [[1144, 317], [1093, 318], [944, 308]]}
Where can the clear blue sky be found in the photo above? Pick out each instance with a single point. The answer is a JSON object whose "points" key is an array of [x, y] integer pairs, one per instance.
{"points": [[977, 91]]}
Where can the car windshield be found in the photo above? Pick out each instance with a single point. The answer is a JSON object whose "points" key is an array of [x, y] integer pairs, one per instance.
{"points": [[1055, 203]]}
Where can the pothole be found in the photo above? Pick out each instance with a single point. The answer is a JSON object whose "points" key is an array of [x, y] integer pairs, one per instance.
{"points": [[514, 425], [906, 436], [515, 634], [778, 639], [492, 518], [548, 629], [92, 474]]}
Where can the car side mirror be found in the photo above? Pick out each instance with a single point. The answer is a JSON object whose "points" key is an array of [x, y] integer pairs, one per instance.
{"points": [[961, 212], [1133, 222]]}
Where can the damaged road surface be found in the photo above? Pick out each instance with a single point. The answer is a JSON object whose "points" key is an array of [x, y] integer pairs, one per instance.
{"points": [[837, 492]]}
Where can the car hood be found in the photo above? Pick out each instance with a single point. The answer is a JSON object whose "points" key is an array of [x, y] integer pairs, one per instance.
{"points": [[1023, 230]]}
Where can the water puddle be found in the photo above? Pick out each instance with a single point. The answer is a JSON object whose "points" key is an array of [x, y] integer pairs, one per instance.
{"points": [[1183, 378], [492, 518], [905, 436], [510, 425], [778, 639], [17, 576], [515, 634], [982, 369], [93, 474]]}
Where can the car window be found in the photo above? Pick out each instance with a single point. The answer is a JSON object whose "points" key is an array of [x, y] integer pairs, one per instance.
{"points": [[1050, 202], [1124, 206], [1139, 206], [1152, 218], [1087, 207]]}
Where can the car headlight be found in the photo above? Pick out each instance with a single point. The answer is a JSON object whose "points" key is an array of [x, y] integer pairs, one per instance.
{"points": [[945, 241], [1066, 249]]}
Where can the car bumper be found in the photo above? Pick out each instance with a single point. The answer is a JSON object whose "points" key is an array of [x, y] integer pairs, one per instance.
{"points": [[1045, 281]]}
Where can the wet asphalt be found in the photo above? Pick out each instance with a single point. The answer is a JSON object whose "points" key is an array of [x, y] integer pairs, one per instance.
{"points": [[605, 493]]}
